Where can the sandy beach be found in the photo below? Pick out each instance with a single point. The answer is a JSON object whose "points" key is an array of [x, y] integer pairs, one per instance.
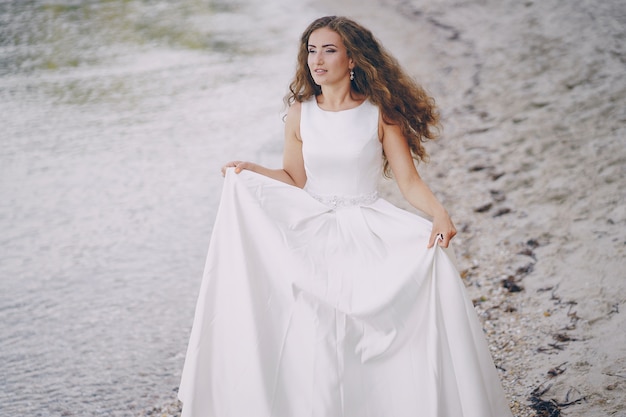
{"points": [[532, 166]]}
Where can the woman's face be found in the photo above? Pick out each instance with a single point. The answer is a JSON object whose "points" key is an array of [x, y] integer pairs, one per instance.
{"points": [[328, 58]]}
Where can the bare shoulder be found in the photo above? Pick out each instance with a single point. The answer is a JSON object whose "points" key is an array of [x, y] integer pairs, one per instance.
{"points": [[294, 110], [386, 129], [292, 120]]}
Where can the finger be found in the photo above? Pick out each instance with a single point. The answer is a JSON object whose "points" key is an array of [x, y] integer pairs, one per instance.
{"points": [[230, 164], [225, 167], [445, 241]]}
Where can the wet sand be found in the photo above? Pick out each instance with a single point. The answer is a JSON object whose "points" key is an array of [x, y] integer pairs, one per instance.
{"points": [[532, 167]]}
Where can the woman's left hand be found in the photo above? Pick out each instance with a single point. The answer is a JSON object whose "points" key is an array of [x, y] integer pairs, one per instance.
{"points": [[443, 231]]}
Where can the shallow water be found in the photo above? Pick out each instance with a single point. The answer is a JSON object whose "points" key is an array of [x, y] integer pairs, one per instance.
{"points": [[115, 118]]}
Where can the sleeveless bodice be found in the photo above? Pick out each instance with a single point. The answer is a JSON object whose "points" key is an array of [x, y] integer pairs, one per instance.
{"points": [[342, 153]]}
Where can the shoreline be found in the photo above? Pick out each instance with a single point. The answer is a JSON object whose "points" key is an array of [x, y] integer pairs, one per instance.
{"points": [[531, 166]]}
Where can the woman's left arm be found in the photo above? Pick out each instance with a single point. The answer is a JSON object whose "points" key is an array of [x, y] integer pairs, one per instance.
{"points": [[413, 188]]}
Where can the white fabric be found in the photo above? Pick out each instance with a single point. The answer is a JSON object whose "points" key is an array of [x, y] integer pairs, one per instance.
{"points": [[325, 302]]}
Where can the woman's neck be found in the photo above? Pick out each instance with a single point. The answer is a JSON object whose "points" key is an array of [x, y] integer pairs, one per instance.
{"points": [[337, 99]]}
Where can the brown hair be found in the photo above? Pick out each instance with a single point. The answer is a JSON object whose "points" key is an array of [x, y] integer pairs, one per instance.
{"points": [[378, 76]]}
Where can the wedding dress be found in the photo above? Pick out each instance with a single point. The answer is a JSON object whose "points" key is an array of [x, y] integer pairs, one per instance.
{"points": [[326, 302]]}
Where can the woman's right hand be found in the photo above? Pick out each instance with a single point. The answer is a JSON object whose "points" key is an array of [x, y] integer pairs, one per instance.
{"points": [[239, 166]]}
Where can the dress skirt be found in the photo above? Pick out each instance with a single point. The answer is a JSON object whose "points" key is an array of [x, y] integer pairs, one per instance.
{"points": [[312, 308]]}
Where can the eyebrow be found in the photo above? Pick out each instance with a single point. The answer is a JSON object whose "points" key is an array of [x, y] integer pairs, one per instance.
{"points": [[323, 46]]}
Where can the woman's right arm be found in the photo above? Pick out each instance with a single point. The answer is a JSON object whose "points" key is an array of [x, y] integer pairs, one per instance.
{"points": [[292, 171]]}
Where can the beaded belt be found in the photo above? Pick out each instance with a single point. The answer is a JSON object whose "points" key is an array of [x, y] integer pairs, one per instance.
{"points": [[335, 201]]}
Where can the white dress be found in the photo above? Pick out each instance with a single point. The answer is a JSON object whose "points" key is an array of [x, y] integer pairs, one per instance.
{"points": [[325, 301]]}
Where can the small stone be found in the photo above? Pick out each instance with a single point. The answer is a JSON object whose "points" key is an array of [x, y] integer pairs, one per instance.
{"points": [[483, 208], [502, 211]]}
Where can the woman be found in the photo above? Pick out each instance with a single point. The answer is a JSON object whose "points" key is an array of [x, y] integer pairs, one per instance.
{"points": [[319, 298]]}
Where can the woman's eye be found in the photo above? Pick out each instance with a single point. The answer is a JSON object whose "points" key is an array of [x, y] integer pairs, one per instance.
{"points": [[311, 51], [330, 51]]}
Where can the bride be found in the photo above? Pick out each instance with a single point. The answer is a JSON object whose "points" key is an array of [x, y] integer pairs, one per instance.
{"points": [[319, 298]]}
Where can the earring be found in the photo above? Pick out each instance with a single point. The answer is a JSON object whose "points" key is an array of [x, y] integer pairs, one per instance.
{"points": [[351, 75]]}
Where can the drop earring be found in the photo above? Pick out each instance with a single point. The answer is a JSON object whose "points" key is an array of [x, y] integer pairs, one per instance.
{"points": [[351, 75]]}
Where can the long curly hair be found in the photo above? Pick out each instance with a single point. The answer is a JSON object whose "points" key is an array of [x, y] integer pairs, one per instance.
{"points": [[378, 76]]}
